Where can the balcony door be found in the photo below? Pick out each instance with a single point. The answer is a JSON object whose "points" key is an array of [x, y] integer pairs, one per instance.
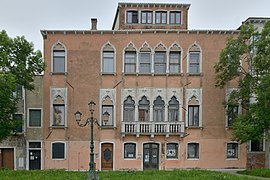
{"points": [[150, 156]]}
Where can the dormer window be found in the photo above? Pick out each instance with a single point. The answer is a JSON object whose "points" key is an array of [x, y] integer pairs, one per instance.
{"points": [[147, 17], [132, 17]]}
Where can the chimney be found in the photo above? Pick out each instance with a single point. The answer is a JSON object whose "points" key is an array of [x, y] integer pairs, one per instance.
{"points": [[93, 23]]}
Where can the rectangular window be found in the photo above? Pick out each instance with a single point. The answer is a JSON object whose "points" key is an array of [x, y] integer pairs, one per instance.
{"points": [[19, 91], [130, 150], [193, 115], [146, 17], [145, 62], [175, 17], [160, 62], [172, 151], [232, 114], [58, 115], [194, 62], [256, 146], [130, 62], [58, 151], [34, 118], [161, 17], [18, 118], [132, 17], [107, 110], [193, 151], [34, 144], [232, 150], [175, 62], [108, 62], [58, 61]]}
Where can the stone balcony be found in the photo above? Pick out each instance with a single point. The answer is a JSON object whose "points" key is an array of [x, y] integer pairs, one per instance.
{"points": [[152, 128]]}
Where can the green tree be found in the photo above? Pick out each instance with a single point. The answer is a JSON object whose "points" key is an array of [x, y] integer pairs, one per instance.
{"points": [[19, 63], [246, 60]]}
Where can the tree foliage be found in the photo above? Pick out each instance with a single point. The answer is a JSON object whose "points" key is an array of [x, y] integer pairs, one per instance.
{"points": [[19, 63], [246, 60]]}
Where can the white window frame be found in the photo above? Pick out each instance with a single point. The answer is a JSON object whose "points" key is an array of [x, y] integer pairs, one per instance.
{"points": [[199, 151], [200, 60], [249, 147], [103, 49], [181, 17], [52, 59], [111, 93], [136, 150], [197, 93], [238, 150], [65, 149], [28, 117], [178, 151], [54, 92]]}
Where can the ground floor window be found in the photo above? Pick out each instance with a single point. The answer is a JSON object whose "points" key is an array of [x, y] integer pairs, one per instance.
{"points": [[58, 150], [256, 146], [193, 151], [130, 150], [232, 150], [172, 151]]}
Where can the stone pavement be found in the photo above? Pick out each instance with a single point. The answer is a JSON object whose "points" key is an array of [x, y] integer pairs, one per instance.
{"points": [[234, 172]]}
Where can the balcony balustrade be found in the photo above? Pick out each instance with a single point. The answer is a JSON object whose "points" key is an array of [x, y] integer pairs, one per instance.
{"points": [[152, 128]]}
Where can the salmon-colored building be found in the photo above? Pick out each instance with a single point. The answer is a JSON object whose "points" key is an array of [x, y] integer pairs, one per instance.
{"points": [[152, 80]]}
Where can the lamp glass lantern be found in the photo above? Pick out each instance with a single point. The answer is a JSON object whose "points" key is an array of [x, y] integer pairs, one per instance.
{"points": [[92, 105]]}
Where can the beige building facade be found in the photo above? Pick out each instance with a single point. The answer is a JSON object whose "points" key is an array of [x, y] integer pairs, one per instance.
{"points": [[152, 80]]}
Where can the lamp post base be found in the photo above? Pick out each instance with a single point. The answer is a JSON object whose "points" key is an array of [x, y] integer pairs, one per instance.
{"points": [[91, 176]]}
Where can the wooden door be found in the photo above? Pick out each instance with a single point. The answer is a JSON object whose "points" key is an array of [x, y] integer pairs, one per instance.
{"points": [[7, 158], [107, 156], [150, 156]]}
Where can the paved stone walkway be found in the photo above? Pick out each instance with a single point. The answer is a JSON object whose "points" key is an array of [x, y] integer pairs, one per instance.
{"points": [[234, 172]]}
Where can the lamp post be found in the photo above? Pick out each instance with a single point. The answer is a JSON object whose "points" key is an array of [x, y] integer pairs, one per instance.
{"points": [[91, 175]]}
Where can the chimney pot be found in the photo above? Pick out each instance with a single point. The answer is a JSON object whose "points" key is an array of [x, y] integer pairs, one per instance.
{"points": [[93, 23]]}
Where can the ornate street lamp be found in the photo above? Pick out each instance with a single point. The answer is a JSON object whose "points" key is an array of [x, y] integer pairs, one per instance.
{"points": [[91, 175]]}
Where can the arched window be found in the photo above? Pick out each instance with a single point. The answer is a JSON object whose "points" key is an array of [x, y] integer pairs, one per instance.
{"points": [[107, 111], [160, 59], [130, 59], [108, 59], [144, 109], [173, 110], [58, 111], [145, 59], [193, 112], [159, 107], [175, 59], [194, 59], [59, 58], [129, 109]]}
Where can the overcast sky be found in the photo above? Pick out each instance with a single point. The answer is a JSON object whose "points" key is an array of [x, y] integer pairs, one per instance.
{"points": [[28, 17]]}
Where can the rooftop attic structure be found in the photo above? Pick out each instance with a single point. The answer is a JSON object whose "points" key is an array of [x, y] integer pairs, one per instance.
{"points": [[151, 16]]}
